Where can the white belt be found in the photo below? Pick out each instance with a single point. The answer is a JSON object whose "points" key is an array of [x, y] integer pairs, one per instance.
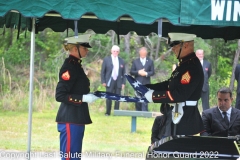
{"points": [[191, 103], [187, 103], [177, 115]]}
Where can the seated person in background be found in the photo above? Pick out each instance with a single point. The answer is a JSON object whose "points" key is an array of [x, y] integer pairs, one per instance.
{"points": [[222, 120], [156, 128], [159, 124]]}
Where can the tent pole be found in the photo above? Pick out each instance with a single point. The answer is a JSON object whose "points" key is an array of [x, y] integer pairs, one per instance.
{"points": [[31, 88]]}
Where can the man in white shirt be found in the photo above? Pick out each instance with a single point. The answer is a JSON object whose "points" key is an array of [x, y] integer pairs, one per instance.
{"points": [[112, 76], [207, 71], [222, 120]]}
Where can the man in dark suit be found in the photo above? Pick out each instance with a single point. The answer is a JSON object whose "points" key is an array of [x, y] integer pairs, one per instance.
{"points": [[207, 71], [112, 76], [142, 68], [237, 77], [222, 120]]}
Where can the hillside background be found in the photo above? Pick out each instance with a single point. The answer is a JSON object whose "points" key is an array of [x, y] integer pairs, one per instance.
{"points": [[49, 56]]}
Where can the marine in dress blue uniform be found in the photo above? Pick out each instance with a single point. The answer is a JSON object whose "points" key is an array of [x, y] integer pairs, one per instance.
{"points": [[183, 87], [73, 92]]}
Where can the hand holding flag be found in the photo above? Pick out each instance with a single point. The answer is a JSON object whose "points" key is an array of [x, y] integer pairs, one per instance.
{"points": [[117, 97]]}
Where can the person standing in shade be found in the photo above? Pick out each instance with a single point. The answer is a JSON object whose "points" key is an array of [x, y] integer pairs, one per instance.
{"points": [[112, 76], [73, 92], [142, 68], [207, 71], [222, 120], [237, 77]]}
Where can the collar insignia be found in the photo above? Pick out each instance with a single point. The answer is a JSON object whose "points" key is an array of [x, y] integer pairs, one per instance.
{"points": [[174, 74]]}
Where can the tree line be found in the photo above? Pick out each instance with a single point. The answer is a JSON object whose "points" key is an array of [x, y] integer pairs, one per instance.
{"points": [[49, 56]]}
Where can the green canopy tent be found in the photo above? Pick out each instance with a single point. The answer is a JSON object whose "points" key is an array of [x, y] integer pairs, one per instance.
{"points": [[207, 19]]}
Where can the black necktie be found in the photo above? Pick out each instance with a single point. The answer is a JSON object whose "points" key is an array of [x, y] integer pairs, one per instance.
{"points": [[225, 118]]}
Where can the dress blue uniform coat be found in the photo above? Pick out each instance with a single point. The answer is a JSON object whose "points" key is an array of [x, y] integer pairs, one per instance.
{"points": [[185, 84], [69, 93]]}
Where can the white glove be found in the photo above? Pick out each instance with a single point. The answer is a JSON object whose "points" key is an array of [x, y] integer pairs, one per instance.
{"points": [[148, 95], [89, 98]]}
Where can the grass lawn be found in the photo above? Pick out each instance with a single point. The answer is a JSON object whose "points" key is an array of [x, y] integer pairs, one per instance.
{"points": [[106, 134]]}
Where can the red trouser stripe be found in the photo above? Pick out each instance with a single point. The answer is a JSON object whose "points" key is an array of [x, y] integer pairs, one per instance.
{"points": [[68, 141]]}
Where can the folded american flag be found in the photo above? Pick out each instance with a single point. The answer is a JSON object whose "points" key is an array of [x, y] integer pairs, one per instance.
{"points": [[117, 97], [137, 86]]}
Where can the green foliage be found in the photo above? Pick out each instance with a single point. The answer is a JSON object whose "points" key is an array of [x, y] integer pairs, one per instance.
{"points": [[17, 53], [101, 45], [49, 56], [200, 43], [224, 67], [221, 78], [215, 83]]}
